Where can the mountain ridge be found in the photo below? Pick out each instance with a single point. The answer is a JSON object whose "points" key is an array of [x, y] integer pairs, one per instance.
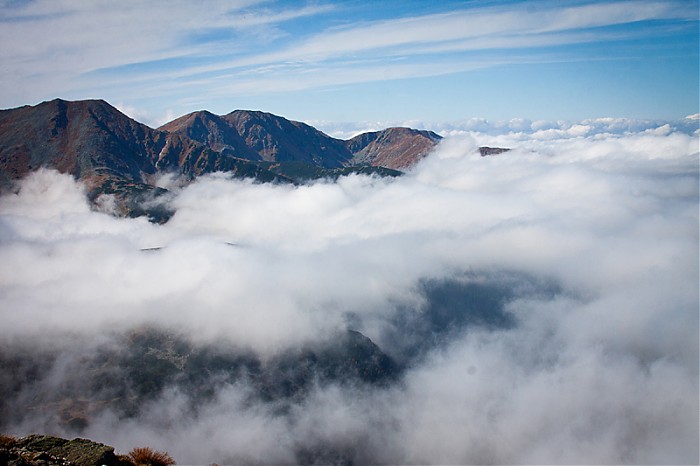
{"points": [[261, 136], [113, 154], [93, 137]]}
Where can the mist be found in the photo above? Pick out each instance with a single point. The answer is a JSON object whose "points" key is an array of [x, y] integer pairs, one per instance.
{"points": [[539, 306]]}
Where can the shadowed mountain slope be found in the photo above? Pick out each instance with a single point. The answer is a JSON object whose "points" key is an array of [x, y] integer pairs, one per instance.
{"points": [[262, 136], [212, 131], [277, 139], [86, 139]]}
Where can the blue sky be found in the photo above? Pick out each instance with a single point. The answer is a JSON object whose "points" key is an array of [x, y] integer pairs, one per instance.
{"points": [[357, 60]]}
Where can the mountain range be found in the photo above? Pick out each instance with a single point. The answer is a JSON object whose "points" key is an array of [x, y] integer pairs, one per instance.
{"points": [[114, 154]]}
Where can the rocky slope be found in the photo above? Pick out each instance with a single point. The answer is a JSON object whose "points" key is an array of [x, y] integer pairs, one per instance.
{"points": [[45, 450], [48, 450], [277, 139], [88, 139], [126, 374], [212, 131], [397, 148]]}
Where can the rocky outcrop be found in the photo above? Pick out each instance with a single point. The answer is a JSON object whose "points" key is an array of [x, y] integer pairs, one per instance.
{"points": [[485, 151], [45, 450]]}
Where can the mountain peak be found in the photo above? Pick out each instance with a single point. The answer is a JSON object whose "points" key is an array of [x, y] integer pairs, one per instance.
{"points": [[256, 113], [211, 130], [397, 147], [188, 119], [277, 139], [87, 104], [85, 138]]}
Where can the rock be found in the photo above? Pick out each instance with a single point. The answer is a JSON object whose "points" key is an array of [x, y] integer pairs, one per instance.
{"points": [[486, 151], [83, 452], [48, 450]]}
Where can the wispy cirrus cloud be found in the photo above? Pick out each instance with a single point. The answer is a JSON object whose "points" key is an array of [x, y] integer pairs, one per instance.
{"points": [[499, 24], [144, 53], [51, 47], [459, 31]]}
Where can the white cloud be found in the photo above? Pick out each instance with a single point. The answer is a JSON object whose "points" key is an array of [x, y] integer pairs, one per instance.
{"points": [[604, 370], [507, 131]]}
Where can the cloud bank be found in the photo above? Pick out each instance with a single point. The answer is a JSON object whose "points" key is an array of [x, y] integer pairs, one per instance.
{"points": [[542, 303], [520, 129]]}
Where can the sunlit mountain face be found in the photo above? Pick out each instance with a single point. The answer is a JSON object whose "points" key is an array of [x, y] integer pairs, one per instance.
{"points": [[481, 305]]}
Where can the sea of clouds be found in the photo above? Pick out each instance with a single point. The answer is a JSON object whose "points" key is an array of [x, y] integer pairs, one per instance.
{"points": [[599, 367], [518, 129]]}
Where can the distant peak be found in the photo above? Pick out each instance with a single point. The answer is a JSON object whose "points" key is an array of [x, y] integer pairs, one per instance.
{"points": [[206, 113], [197, 113], [254, 114], [251, 112], [185, 120], [84, 102], [402, 131]]}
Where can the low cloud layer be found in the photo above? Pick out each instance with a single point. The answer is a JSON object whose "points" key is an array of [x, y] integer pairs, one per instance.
{"points": [[524, 129], [543, 304]]}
